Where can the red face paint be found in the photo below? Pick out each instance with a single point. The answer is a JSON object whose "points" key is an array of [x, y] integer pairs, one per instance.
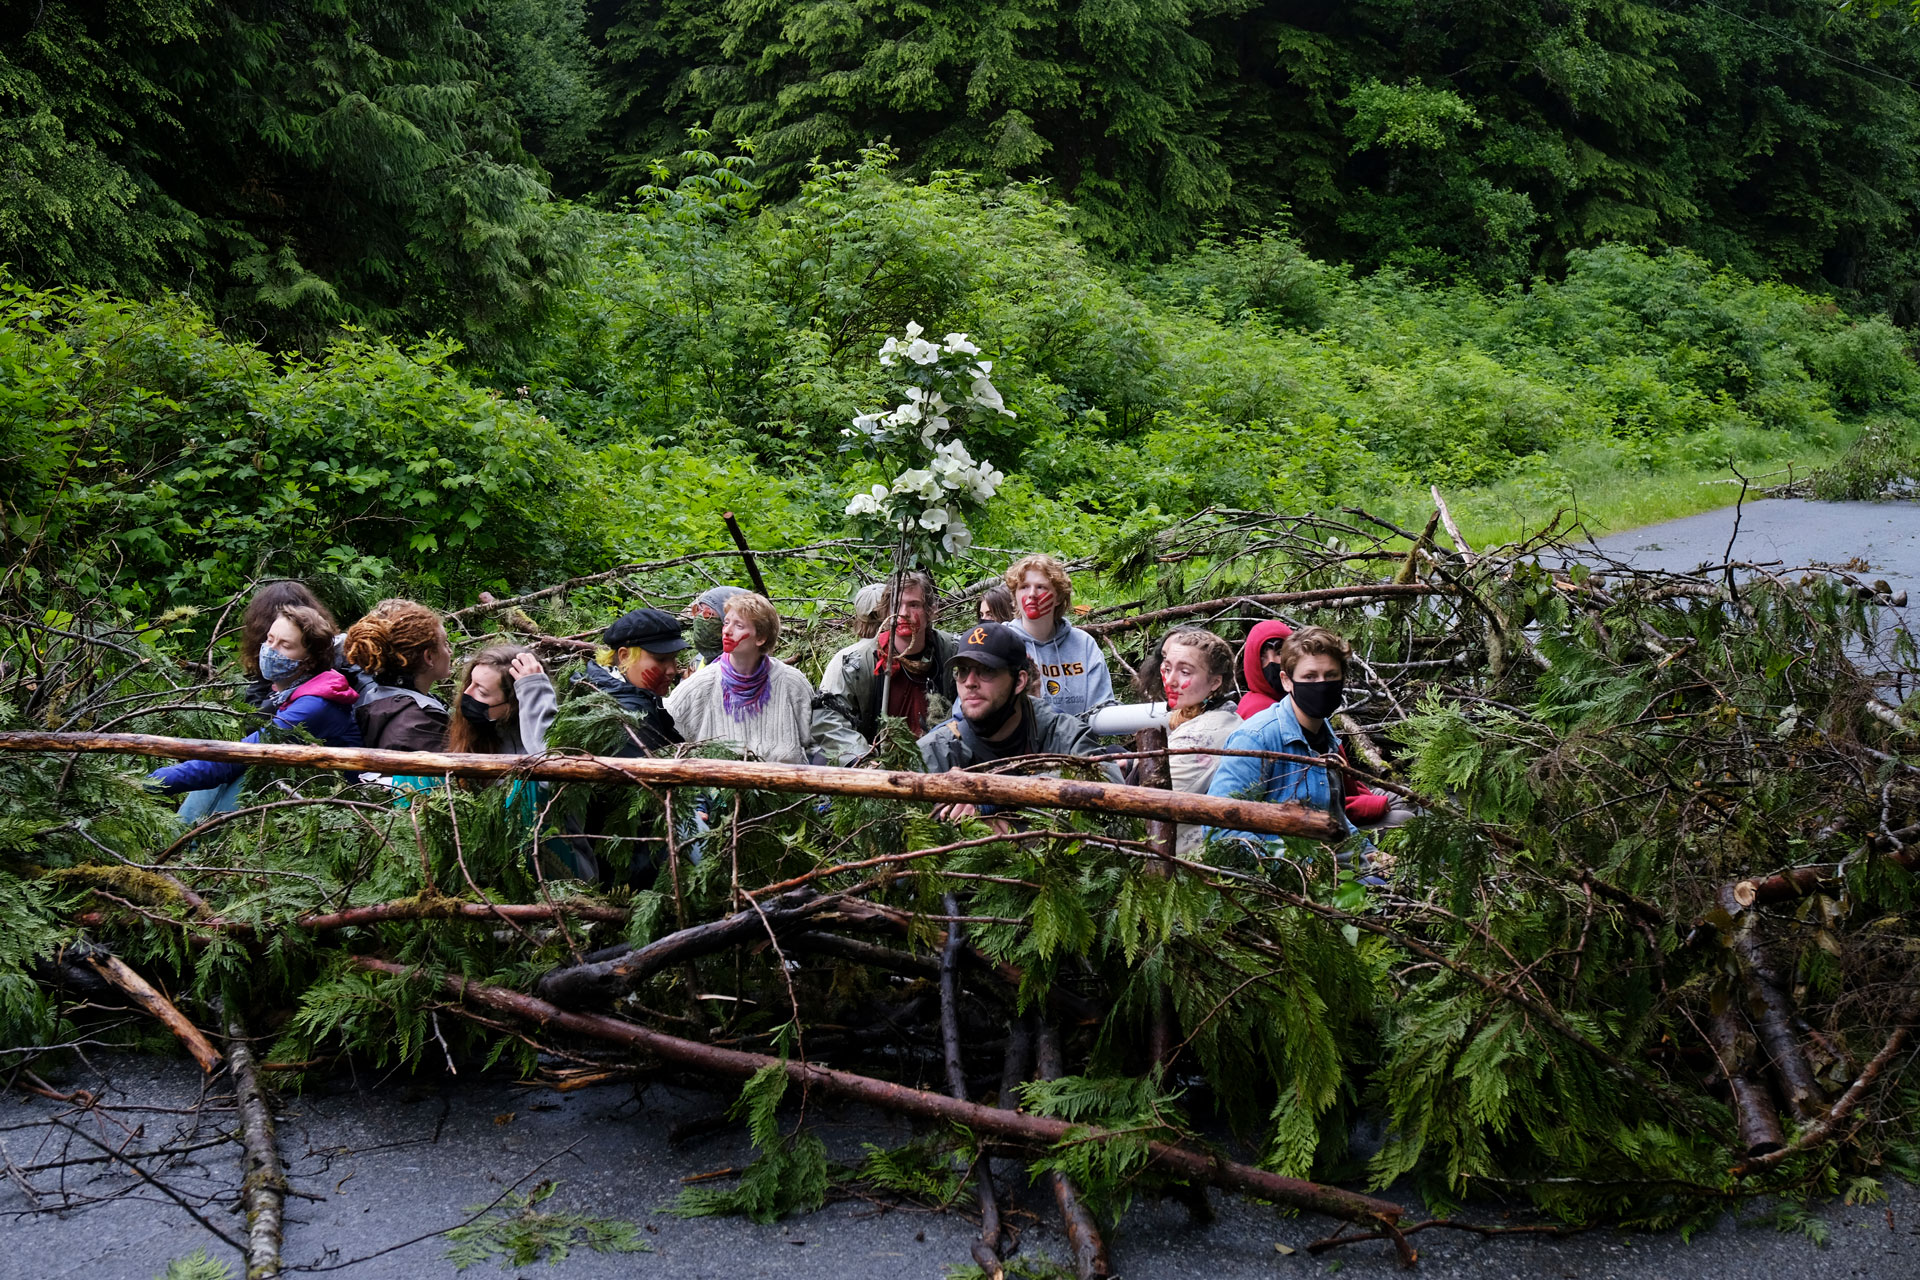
{"points": [[729, 643], [1038, 605], [658, 679]]}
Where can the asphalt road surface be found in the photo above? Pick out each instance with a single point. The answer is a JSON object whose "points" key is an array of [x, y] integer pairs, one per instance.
{"points": [[380, 1163], [380, 1168]]}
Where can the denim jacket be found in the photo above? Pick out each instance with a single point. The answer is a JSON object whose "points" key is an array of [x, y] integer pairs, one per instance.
{"points": [[1275, 781]]}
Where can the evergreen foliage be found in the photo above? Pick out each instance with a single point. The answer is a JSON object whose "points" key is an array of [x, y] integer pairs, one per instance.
{"points": [[1467, 140], [297, 166], [519, 1233], [1519, 1004]]}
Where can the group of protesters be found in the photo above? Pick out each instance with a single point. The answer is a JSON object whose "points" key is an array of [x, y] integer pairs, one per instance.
{"points": [[1021, 681]]}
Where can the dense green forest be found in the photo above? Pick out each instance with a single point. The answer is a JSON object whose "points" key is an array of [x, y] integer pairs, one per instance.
{"points": [[470, 293]]}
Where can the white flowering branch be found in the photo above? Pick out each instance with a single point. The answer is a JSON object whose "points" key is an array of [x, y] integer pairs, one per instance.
{"points": [[938, 479]]}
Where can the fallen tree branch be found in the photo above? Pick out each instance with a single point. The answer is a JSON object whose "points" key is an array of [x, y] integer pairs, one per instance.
{"points": [[598, 981], [625, 570], [1016, 1126], [264, 1182], [424, 908], [957, 787], [143, 994], [1083, 1233], [1322, 595]]}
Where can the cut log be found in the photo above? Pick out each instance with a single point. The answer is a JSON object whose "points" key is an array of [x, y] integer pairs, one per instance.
{"points": [[1291, 819], [1822, 1128], [143, 994], [1013, 1126], [1753, 1110], [1772, 1013]]}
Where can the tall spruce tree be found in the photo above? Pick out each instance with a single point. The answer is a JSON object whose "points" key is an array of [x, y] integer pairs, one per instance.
{"points": [[1105, 96], [299, 165]]}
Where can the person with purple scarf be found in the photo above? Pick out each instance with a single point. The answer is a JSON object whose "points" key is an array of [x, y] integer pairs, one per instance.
{"points": [[749, 699]]}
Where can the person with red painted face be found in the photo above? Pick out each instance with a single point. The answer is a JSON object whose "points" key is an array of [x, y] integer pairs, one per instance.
{"points": [[749, 699], [846, 711], [1073, 671], [646, 645], [1196, 676]]}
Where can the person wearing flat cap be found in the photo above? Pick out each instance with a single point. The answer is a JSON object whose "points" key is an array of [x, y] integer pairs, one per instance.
{"points": [[995, 715], [646, 645]]}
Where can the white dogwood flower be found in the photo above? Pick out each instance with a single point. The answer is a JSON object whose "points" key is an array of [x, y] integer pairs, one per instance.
{"points": [[958, 538], [917, 481], [984, 395], [920, 351], [935, 518], [957, 344], [868, 503]]}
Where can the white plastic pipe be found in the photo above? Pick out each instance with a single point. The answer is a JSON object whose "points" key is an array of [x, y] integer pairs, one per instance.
{"points": [[1114, 722]]}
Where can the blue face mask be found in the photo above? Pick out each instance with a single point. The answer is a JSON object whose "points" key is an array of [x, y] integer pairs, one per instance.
{"points": [[274, 665]]}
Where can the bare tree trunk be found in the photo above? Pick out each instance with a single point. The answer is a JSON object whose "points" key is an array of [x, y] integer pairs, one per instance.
{"points": [[957, 787], [1015, 1126], [264, 1183]]}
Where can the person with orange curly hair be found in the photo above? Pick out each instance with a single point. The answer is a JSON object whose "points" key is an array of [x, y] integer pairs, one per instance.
{"points": [[402, 651]]}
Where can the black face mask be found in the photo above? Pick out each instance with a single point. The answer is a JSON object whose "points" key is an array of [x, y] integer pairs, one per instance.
{"points": [[476, 711], [1318, 698], [1273, 671]]}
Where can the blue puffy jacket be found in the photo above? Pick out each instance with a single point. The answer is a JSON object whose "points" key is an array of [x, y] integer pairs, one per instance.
{"points": [[1274, 781], [322, 707]]}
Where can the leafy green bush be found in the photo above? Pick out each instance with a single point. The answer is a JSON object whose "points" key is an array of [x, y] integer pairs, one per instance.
{"points": [[163, 462]]}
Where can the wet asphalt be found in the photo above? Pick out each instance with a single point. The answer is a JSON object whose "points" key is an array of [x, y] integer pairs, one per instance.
{"points": [[380, 1167]]}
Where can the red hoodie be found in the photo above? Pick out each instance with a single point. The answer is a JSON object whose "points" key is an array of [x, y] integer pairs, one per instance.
{"points": [[1262, 695], [1364, 805]]}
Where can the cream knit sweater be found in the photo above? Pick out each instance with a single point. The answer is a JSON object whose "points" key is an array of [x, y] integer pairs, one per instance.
{"points": [[1194, 772], [779, 732]]}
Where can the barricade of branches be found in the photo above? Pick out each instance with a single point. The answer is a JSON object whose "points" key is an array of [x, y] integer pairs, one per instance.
{"points": [[1648, 947]]}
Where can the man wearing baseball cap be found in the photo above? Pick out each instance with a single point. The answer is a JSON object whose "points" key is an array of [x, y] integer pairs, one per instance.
{"points": [[996, 717], [646, 644]]}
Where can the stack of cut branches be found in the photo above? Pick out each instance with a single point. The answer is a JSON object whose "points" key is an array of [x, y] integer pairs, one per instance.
{"points": [[1647, 948]]}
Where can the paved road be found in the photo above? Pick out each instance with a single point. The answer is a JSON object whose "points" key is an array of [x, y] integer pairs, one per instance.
{"points": [[379, 1162], [1882, 537]]}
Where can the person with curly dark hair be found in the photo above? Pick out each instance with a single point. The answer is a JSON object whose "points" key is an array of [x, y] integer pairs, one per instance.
{"points": [[308, 697]]}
